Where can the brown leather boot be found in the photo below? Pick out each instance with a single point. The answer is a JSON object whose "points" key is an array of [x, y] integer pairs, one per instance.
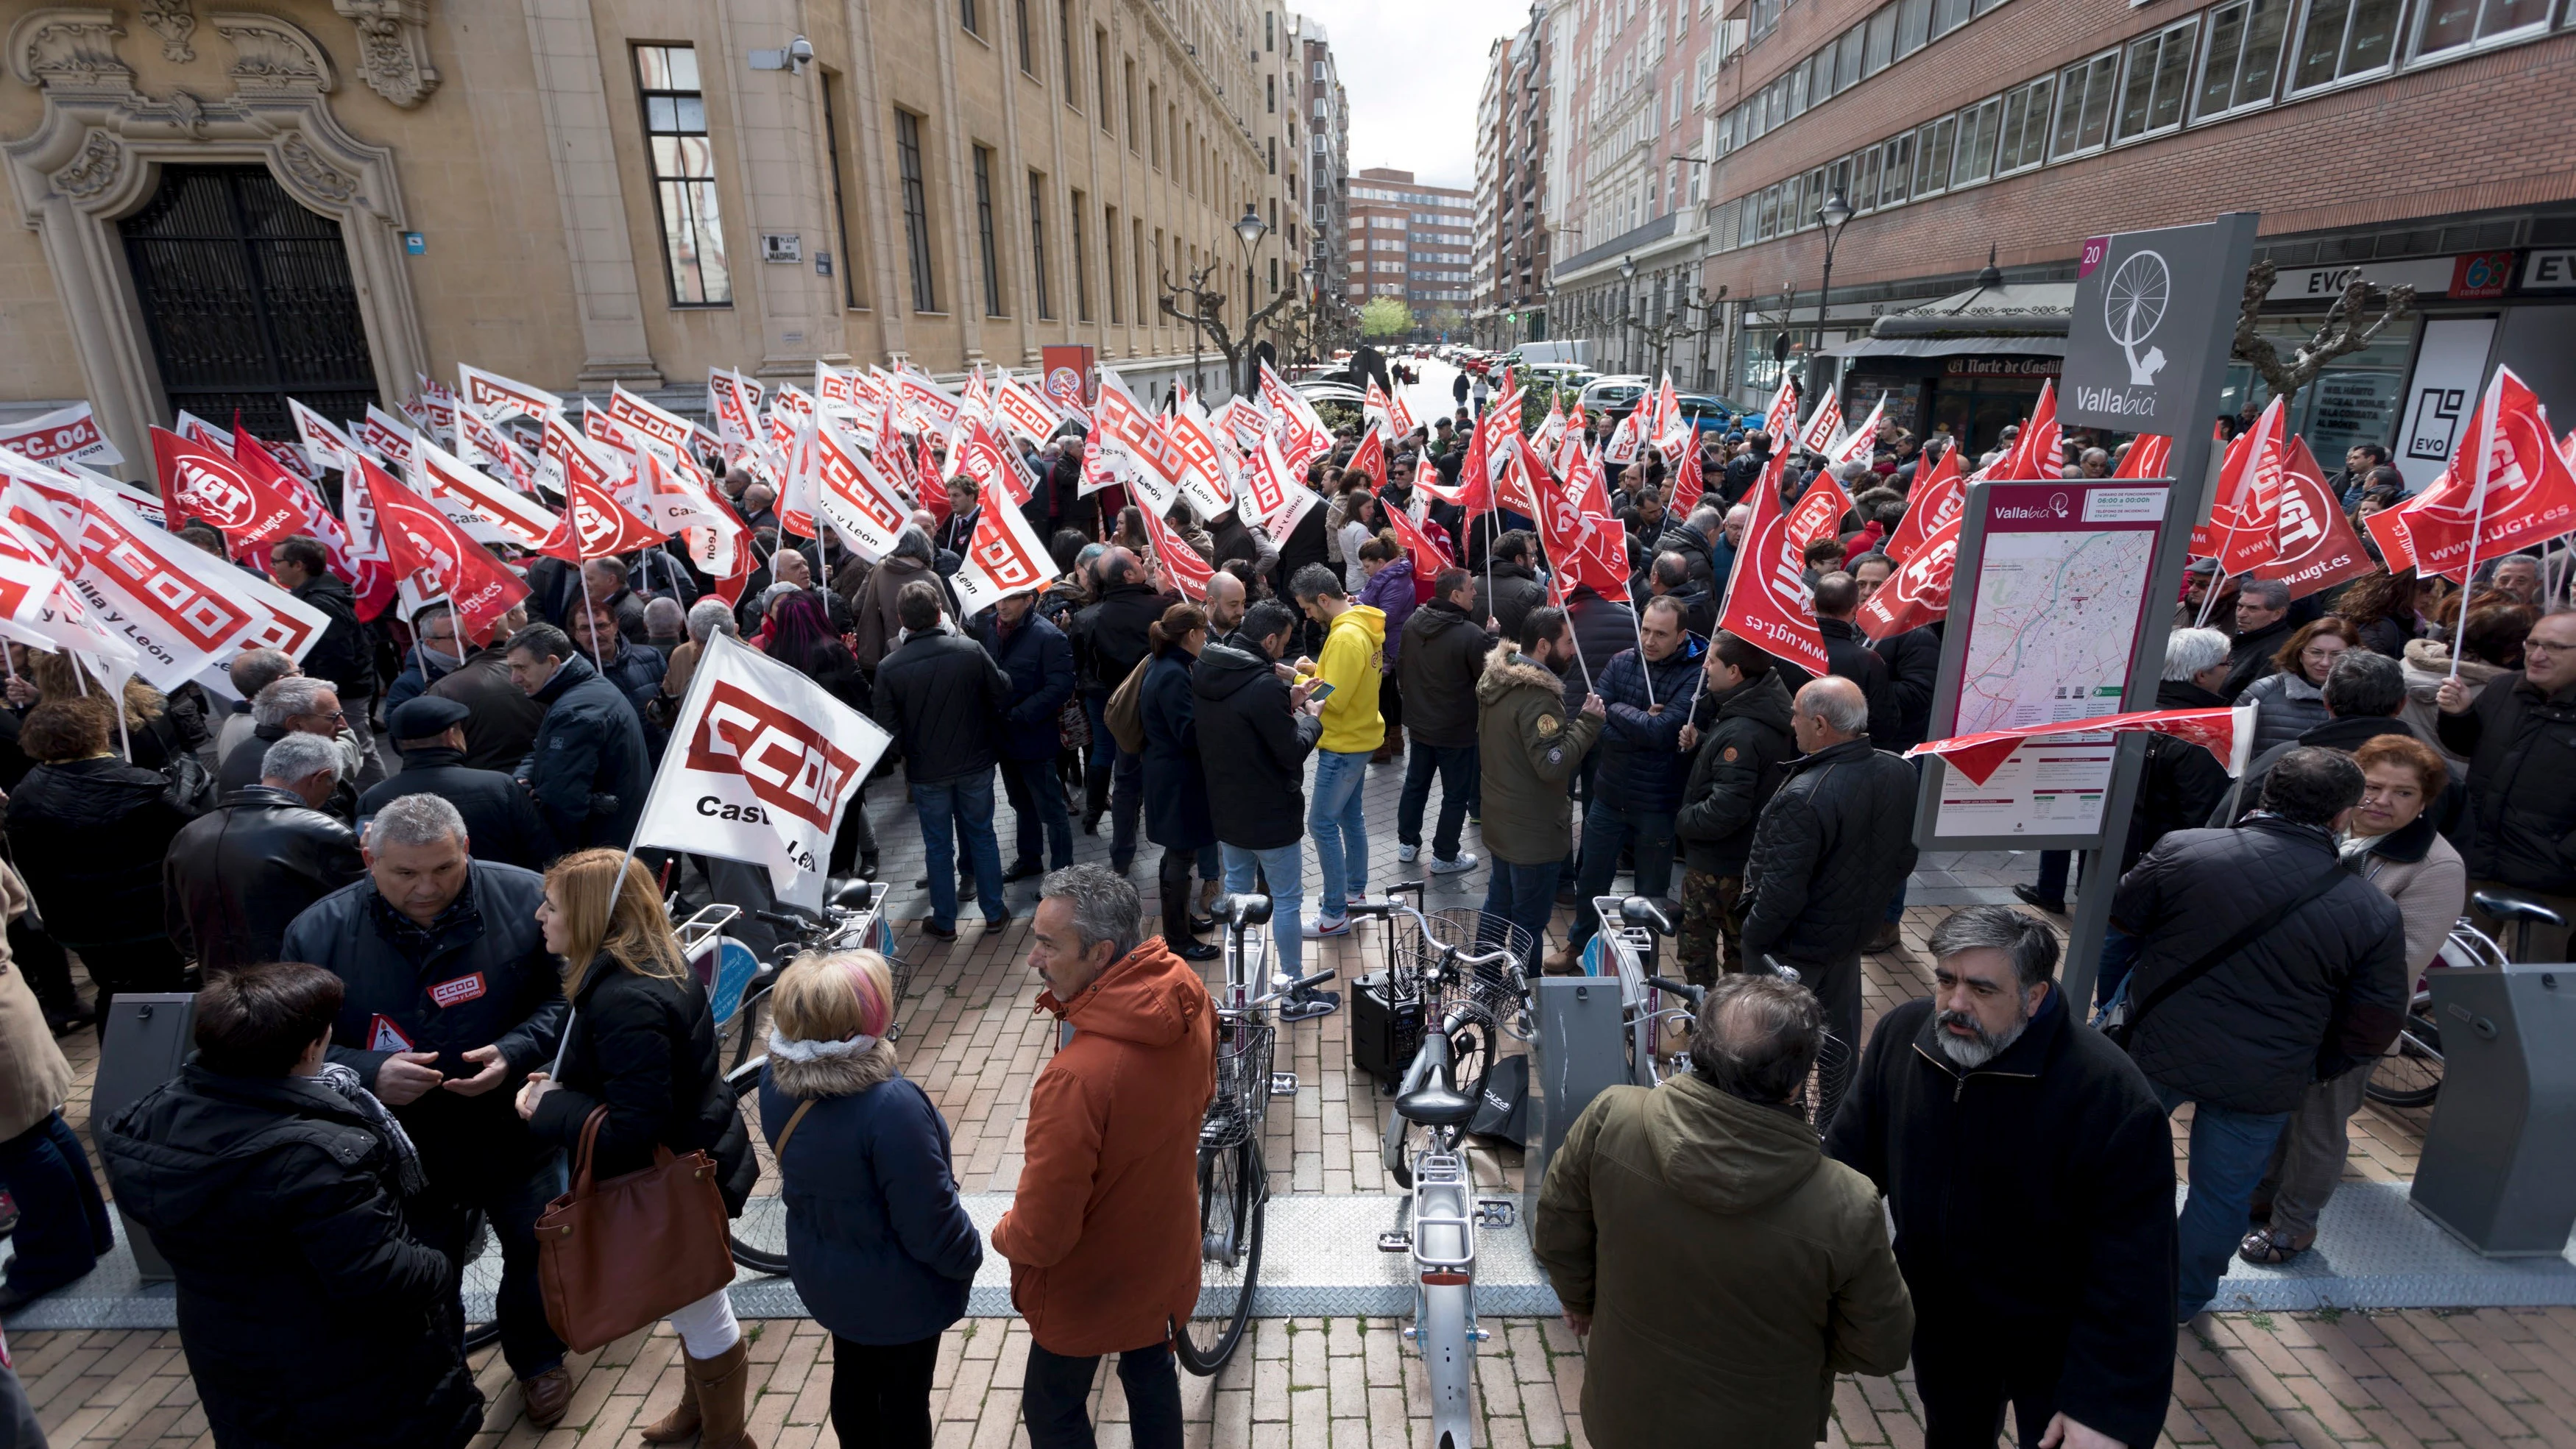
{"points": [[724, 1393], [545, 1398], [682, 1422]]}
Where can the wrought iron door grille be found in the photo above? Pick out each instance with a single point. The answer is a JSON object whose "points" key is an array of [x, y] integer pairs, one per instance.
{"points": [[247, 297]]}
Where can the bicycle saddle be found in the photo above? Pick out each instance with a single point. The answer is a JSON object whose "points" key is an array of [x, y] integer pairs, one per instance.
{"points": [[2506, 905], [1654, 913], [1247, 909], [849, 893], [1436, 1106]]}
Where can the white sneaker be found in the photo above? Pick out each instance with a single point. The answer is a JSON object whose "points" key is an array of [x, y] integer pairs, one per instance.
{"points": [[1464, 860], [1323, 926], [1408, 853]]}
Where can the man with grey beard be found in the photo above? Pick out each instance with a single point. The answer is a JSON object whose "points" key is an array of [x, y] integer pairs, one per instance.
{"points": [[2030, 1173]]}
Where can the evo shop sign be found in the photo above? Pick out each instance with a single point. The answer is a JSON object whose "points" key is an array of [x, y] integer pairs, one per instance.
{"points": [[2154, 316]]}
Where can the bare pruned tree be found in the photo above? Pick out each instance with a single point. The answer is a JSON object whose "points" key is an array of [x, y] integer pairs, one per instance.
{"points": [[1204, 293], [2343, 331]]}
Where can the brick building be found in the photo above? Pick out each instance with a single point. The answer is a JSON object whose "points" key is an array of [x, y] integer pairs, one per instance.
{"points": [[2369, 136], [1512, 177], [1412, 241], [217, 208], [1328, 160], [1625, 172]]}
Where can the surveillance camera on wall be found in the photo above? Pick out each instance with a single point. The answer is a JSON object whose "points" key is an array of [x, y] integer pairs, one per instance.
{"points": [[798, 55]]}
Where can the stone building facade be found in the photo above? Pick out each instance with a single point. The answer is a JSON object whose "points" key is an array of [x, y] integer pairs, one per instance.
{"points": [[339, 197]]}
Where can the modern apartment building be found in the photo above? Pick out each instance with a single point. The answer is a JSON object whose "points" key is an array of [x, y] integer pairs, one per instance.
{"points": [[1628, 169], [219, 208], [1328, 159], [1512, 174], [1414, 242], [2422, 142]]}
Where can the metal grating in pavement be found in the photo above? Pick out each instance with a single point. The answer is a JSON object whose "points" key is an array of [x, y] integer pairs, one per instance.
{"points": [[1320, 1259]]}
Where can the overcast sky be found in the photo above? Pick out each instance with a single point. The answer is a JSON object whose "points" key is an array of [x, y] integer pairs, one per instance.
{"points": [[1412, 69]]}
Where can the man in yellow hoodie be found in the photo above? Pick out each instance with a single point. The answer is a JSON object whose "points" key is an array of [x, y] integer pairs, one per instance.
{"points": [[1352, 664]]}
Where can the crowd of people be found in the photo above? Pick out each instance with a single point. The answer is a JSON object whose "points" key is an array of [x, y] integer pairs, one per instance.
{"points": [[391, 869]]}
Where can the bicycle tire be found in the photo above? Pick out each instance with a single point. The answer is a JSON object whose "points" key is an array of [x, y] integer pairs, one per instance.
{"points": [[758, 1238], [2410, 1075], [1473, 1045], [1233, 1206]]}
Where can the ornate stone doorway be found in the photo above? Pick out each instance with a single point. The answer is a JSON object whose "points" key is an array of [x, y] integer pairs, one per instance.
{"points": [[247, 297]]}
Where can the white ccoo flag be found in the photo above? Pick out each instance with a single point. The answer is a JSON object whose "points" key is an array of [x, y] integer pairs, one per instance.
{"points": [[762, 762]]}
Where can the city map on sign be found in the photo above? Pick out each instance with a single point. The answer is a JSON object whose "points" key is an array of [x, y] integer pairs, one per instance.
{"points": [[2055, 619]]}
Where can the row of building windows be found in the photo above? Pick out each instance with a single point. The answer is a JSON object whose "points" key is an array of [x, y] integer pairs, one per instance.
{"points": [[1409, 198], [1891, 33], [681, 156], [2223, 62]]}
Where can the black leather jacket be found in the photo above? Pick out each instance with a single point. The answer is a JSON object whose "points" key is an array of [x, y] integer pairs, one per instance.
{"points": [[1828, 852], [238, 874]]}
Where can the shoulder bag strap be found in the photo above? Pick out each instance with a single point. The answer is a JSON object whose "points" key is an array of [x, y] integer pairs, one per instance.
{"points": [[2252, 931], [778, 1145]]}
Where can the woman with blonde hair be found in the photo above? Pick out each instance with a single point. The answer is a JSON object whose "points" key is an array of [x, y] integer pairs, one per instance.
{"points": [[642, 1044], [877, 1244]]}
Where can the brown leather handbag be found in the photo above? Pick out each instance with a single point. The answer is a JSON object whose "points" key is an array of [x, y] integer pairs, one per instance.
{"points": [[616, 1256]]}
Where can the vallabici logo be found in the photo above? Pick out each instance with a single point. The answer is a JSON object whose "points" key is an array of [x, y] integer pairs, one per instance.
{"points": [[2057, 509], [2133, 306]]}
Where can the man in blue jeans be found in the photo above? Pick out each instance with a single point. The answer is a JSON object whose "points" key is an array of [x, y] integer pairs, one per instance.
{"points": [[2315, 982], [1256, 786], [1647, 693], [1442, 659], [940, 693], [1527, 750], [1346, 678]]}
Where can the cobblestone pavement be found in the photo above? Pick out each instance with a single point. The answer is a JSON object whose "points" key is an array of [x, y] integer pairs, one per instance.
{"points": [[2486, 1377]]}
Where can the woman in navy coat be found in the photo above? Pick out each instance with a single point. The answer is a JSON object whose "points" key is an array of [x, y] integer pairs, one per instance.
{"points": [[1176, 801], [878, 1245]]}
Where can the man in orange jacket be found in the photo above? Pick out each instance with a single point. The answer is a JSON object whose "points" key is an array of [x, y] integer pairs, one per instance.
{"points": [[1103, 1234]]}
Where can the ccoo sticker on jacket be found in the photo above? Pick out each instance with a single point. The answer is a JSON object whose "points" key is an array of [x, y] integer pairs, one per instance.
{"points": [[452, 993]]}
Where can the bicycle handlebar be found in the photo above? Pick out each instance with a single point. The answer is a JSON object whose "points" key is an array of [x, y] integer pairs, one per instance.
{"points": [[798, 924], [1683, 989], [1277, 992], [1449, 955]]}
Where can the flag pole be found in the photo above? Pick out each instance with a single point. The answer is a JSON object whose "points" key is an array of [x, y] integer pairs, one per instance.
{"points": [[2487, 406], [2217, 580], [1637, 627], [1488, 521]]}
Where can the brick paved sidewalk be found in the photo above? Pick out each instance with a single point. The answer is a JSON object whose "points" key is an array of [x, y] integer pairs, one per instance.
{"points": [[2398, 1379], [2488, 1377]]}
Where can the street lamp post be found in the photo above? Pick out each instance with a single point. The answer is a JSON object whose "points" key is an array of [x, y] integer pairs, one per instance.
{"points": [[1314, 306], [1250, 229], [1627, 313], [1833, 214]]}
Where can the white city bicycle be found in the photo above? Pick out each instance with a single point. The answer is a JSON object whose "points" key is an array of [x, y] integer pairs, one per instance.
{"points": [[1437, 1220]]}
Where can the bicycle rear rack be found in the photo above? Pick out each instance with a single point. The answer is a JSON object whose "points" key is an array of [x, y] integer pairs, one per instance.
{"points": [[1443, 1177]]}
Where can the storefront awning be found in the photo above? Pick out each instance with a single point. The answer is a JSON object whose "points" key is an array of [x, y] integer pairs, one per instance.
{"points": [[1951, 346]]}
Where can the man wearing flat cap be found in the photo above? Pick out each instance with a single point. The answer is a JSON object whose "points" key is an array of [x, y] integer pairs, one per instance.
{"points": [[500, 822]]}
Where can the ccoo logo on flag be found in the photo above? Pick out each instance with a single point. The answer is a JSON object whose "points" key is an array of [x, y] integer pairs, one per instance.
{"points": [[790, 766]]}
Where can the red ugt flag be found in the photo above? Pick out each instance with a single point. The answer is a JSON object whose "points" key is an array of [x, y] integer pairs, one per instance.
{"points": [[199, 480], [439, 560], [1768, 603]]}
